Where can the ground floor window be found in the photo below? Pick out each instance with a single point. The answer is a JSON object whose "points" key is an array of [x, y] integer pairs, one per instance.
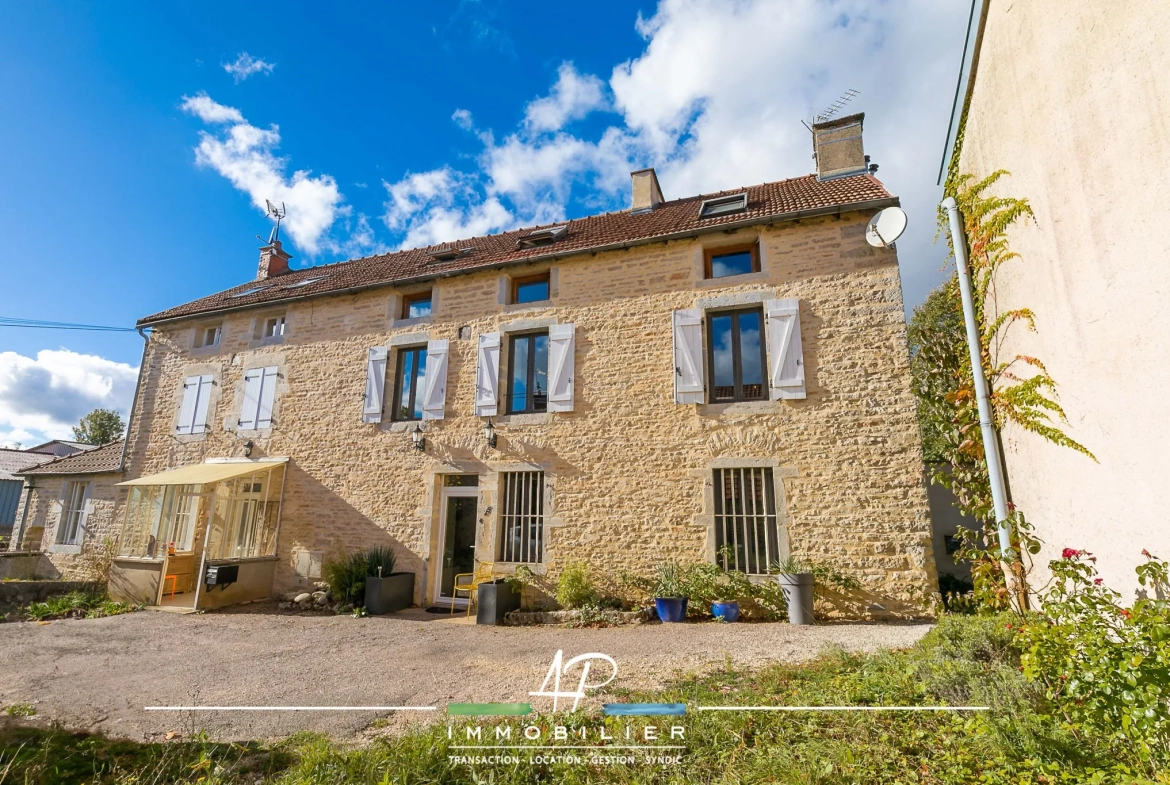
{"points": [[746, 537], [71, 525], [522, 516]]}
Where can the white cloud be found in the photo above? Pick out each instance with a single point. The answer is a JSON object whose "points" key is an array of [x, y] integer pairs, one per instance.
{"points": [[246, 65], [573, 96], [462, 118], [715, 101], [244, 154], [432, 207], [41, 398]]}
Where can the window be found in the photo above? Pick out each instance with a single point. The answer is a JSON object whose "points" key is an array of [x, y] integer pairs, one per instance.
{"points": [[722, 262], [408, 399], [259, 398], [735, 344], [272, 327], [208, 335], [522, 516], [528, 381], [723, 205], [196, 400], [746, 538], [530, 289], [305, 282], [71, 527], [416, 306], [543, 236], [246, 292]]}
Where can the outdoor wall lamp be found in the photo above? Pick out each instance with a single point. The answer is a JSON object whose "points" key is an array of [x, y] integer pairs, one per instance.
{"points": [[248, 449], [418, 439], [489, 433]]}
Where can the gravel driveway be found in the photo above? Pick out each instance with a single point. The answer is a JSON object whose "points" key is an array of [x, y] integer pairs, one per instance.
{"points": [[99, 674]]}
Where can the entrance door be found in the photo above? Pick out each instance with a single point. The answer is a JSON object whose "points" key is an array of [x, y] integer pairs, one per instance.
{"points": [[456, 539]]}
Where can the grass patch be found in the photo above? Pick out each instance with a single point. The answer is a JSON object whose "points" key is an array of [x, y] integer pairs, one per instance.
{"points": [[77, 605], [964, 661]]}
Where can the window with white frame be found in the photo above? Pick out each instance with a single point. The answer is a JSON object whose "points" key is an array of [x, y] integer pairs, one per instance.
{"points": [[208, 335], [259, 398], [271, 327], [193, 410], [71, 527], [522, 516], [746, 535]]}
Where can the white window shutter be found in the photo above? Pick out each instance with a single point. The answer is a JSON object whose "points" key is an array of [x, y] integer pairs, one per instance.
{"points": [[187, 409], [560, 367], [199, 422], [375, 384], [251, 405], [785, 352], [267, 398], [487, 375], [86, 510], [688, 357], [435, 380]]}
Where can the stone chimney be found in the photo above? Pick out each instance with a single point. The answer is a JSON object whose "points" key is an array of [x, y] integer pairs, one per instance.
{"points": [[273, 261], [837, 147], [647, 193]]}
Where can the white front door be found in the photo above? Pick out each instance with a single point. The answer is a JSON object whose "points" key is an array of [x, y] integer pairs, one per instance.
{"points": [[458, 520]]}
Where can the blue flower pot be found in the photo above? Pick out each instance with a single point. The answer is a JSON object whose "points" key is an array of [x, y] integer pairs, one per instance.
{"points": [[728, 611], [671, 608]]}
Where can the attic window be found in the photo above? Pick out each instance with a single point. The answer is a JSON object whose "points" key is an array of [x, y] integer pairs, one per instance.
{"points": [[450, 254], [247, 292], [724, 205], [305, 282], [543, 236]]}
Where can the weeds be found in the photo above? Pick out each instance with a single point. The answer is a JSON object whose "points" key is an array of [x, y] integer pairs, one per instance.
{"points": [[78, 605]]}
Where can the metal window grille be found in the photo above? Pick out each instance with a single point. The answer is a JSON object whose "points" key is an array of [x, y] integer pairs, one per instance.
{"points": [[746, 538], [522, 516]]}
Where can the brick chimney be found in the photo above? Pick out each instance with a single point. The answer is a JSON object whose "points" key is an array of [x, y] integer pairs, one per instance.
{"points": [[273, 261], [837, 147], [647, 193]]}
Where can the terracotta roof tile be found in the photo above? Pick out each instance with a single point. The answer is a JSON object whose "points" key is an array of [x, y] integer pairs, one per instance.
{"points": [[106, 458], [584, 234]]}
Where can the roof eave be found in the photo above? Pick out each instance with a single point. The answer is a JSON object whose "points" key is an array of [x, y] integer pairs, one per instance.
{"points": [[795, 215]]}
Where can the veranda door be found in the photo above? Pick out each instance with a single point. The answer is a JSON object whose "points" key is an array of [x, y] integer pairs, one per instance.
{"points": [[456, 541]]}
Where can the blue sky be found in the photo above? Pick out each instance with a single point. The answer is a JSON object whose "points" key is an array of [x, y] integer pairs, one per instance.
{"points": [[132, 161]]}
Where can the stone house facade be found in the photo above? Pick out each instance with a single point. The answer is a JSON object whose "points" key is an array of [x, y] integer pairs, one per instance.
{"points": [[720, 378]]}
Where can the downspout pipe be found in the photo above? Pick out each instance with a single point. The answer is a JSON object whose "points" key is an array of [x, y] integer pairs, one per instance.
{"points": [[18, 534], [986, 424], [134, 402]]}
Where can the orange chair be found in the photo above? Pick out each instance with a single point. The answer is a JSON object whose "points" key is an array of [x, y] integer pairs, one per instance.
{"points": [[174, 579]]}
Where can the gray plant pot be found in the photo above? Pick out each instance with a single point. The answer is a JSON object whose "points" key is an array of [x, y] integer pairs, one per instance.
{"points": [[390, 593], [495, 599], [798, 594]]}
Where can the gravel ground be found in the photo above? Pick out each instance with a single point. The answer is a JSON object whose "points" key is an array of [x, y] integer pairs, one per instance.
{"points": [[100, 674]]}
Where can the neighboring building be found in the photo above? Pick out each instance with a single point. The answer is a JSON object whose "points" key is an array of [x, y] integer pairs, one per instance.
{"points": [[68, 511], [11, 486], [60, 448], [722, 371], [1072, 100]]}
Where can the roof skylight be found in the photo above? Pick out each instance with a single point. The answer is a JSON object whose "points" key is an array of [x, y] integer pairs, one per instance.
{"points": [[450, 254], [305, 282], [543, 236], [247, 292], [723, 205]]}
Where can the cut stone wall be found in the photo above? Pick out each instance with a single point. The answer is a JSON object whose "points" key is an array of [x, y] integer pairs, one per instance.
{"points": [[74, 563], [626, 470]]}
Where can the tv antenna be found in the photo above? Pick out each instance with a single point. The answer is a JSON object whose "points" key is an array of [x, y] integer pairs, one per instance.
{"points": [[278, 214], [836, 106]]}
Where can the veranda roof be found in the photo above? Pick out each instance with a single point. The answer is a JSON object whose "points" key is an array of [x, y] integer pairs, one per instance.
{"points": [[201, 473]]}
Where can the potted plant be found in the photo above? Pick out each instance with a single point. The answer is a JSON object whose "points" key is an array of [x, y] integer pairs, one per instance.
{"points": [[670, 599], [725, 610], [386, 591], [796, 581]]}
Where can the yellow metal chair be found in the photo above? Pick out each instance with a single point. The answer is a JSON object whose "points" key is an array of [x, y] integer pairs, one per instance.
{"points": [[484, 573]]}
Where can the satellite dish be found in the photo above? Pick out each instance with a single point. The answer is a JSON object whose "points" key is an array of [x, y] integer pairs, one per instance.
{"points": [[886, 227]]}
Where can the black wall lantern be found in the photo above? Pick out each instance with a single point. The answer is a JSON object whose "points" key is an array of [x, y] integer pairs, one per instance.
{"points": [[489, 433], [418, 439]]}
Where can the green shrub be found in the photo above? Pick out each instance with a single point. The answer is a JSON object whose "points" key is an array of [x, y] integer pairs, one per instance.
{"points": [[382, 556], [77, 605], [346, 576], [574, 587]]}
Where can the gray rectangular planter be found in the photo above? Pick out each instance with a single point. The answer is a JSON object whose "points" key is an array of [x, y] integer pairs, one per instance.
{"points": [[390, 593], [495, 599]]}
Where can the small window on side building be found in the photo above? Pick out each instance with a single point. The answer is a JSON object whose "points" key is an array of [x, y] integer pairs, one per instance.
{"points": [[724, 262], [416, 306], [208, 335], [530, 289]]}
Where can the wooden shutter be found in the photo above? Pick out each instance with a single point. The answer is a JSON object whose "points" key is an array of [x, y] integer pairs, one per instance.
{"points": [[267, 398], [187, 409], [435, 380], [250, 408], [487, 375], [86, 510], [560, 367], [199, 423], [688, 357], [375, 384], [785, 353]]}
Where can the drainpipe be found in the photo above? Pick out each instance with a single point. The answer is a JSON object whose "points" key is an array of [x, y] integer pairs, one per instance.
{"points": [[134, 402], [18, 535], [986, 425]]}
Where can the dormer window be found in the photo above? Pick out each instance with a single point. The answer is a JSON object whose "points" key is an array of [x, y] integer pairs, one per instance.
{"points": [[543, 236], [723, 205]]}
